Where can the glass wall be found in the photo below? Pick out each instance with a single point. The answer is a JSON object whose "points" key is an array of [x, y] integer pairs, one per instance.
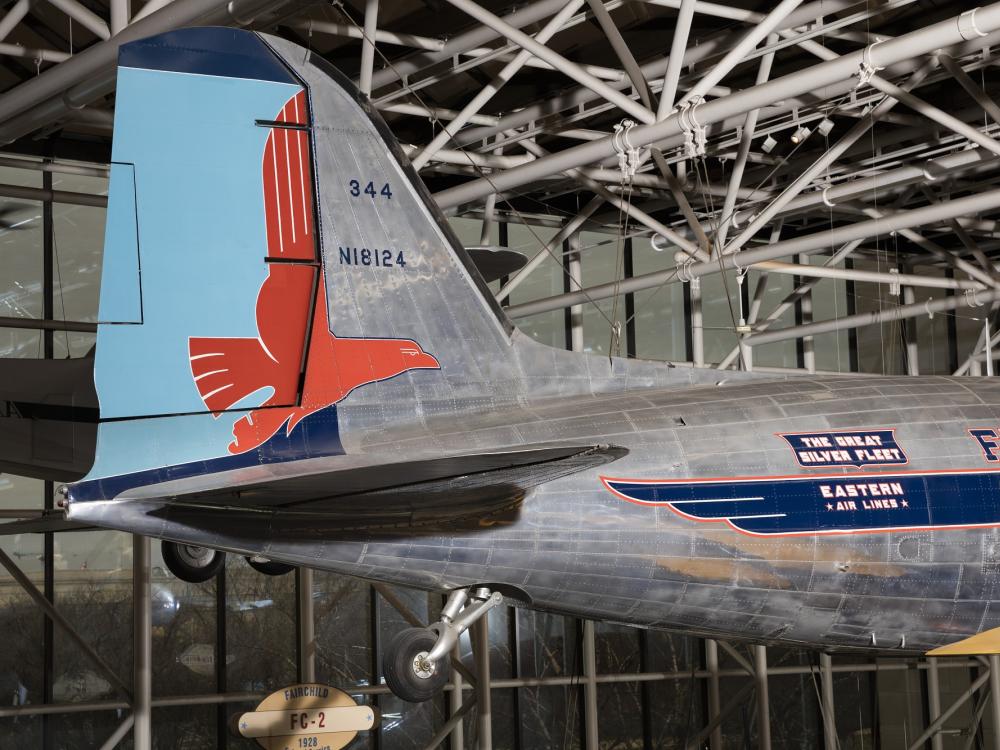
{"points": [[238, 636]]}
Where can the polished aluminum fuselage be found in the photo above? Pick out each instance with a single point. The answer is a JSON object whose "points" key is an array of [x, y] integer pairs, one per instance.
{"points": [[572, 546]]}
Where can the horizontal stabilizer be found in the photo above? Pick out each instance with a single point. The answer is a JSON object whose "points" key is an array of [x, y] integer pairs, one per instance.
{"points": [[295, 489], [459, 491], [48, 417], [405, 493], [987, 642]]}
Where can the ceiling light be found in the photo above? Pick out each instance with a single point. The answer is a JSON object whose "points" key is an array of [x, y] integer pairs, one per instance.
{"points": [[768, 145], [825, 126], [800, 134]]}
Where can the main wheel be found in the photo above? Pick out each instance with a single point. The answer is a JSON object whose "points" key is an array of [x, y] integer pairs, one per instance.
{"points": [[408, 673], [269, 567], [191, 563]]}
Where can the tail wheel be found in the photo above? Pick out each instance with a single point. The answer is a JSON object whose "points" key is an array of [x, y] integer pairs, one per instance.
{"points": [[192, 563], [409, 674], [269, 567]]}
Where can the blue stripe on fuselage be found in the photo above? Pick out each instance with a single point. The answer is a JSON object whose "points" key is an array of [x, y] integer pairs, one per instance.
{"points": [[316, 435], [839, 504]]}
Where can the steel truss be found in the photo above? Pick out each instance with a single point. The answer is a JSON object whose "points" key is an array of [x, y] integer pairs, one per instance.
{"points": [[714, 98]]}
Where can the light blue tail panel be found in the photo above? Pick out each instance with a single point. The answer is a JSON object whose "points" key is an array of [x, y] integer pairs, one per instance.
{"points": [[196, 152], [121, 295], [185, 254]]}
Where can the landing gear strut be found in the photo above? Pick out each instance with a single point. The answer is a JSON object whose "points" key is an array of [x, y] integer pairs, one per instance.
{"points": [[415, 664]]}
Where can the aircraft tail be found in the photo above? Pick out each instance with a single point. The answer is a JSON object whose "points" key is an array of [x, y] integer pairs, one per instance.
{"points": [[276, 276]]}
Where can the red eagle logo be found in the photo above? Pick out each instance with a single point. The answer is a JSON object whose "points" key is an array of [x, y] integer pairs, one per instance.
{"points": [[294, 354]]}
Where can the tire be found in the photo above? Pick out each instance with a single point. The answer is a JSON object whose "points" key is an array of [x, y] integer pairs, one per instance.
{"points": [[399, 669], [269, 567], [192, 563]]}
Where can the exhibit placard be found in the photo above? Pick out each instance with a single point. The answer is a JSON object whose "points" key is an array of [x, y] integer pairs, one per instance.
{"points": [[307, 715]]}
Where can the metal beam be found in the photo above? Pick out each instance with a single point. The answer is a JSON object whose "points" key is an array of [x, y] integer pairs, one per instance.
{"points": [[862, 188], [877, 277], [488, 91], [83, 16], [675, 63], [971, 87], [743, 47], [834, 152], [119, 734], [368, 46], [626, 206], [714, 702], [568, 229], [462, 42], [623, 52], [736, 701], [307, 625], [484, 703], [872, 318], [452, 722], [746, 141], [939, 116], [995, 693], [763, 703], [947, 33], [562, 64], [381, 36], [33, 53], [705, 50], [46, 606], [13, 17], [121, 11], [808, 244], [591, 735], [91, 73], [830, 739], [142, 648], [456, 737], [936, 725]]}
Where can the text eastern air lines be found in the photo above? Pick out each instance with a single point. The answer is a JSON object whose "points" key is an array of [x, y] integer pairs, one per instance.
{"points": [[827, 504]]}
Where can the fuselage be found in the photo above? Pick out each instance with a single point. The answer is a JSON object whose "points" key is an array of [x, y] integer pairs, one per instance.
{"points": [[574, 545]]}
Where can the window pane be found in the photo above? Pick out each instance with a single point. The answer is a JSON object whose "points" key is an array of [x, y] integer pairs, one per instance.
{"points": [[260, 628], [343, 630], [184, 632], [93, 577], [21, 623]]}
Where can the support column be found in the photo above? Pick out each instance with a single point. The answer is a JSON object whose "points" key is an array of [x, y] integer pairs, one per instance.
{"points": [[121, 11], [575, 312], [934, 699], [912, 352], [763, 708], [457, 737], [589, 687], [484, 708], [368, 47], [697, 324], [142, 644], [714, 703], [307, 626], [830, 739], [995, 698], [808, 343]]}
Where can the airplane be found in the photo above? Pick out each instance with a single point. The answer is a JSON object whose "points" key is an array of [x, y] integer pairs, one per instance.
{"points": [[298, 362]]}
